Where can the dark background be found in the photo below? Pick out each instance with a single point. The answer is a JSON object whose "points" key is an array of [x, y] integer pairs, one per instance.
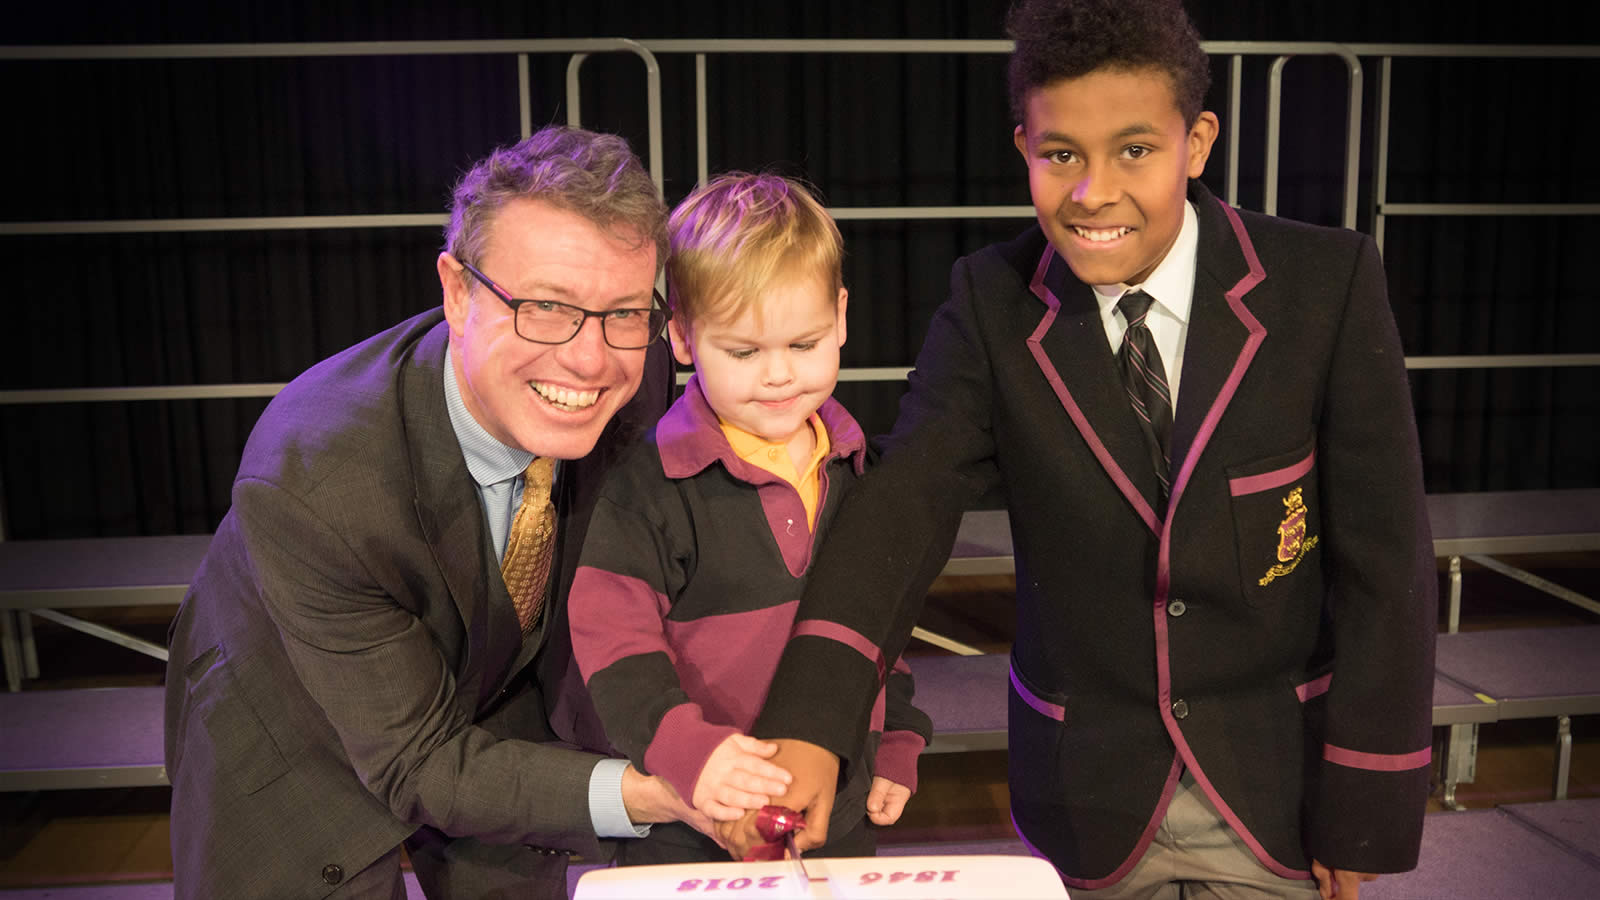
{"points": [[378, 135]]}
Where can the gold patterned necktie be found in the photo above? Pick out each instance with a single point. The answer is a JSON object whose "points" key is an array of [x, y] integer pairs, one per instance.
{"points": [[530, 545]]}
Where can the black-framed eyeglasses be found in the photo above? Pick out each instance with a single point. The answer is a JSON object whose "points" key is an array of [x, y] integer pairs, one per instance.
{"points": [[554, 322]]}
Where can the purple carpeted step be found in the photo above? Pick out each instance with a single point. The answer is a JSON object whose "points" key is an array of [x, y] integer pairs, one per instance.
{"points": [[1485, 854], [1531, 672], [965, 696], [91, 737], [98, 564], [1574, 824]]}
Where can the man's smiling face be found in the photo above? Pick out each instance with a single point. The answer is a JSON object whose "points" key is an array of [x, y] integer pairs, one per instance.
{"points": [[1109, 159], [548, 399]]}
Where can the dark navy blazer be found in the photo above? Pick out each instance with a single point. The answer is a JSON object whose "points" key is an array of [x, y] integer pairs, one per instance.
{"points": [[1203, 640]]}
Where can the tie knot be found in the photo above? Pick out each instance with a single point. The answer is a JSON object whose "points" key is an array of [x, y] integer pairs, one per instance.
{"points": [[538, 474], [1134, 304]]}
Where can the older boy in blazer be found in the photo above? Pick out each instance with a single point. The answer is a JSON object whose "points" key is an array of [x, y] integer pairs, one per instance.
{"points": [[1226, 603], [348, 671]]}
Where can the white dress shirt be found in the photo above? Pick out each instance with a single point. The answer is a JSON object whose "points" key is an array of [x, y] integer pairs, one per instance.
{"points": [[1171, 288], [497, 474]]}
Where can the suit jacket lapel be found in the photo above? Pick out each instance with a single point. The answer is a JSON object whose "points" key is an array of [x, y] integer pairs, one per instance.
{"points": [[1070, 347], [1216, 336], [1223, 333], [451, 518]]}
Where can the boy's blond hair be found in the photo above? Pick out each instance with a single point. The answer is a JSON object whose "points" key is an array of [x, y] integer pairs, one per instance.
{"points": [[738, 234]]}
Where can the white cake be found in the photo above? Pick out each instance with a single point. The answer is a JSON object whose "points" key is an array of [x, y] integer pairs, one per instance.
{"points": [[868, 878]]}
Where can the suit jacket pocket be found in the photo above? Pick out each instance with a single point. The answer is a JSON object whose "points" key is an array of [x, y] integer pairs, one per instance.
{"points": [[1034, 718], [246, 758], [1277, 520]]}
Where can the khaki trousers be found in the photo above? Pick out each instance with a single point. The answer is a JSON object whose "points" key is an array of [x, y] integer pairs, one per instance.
{"points": [[1196, 855]]}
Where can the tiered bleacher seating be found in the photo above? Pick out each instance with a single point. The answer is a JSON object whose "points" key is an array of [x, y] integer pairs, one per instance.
{"points": [[1484, 677], [86, 738], [111, 737]]}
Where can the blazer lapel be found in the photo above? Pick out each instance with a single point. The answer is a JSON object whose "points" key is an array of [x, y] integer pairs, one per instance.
{"points": [[1070, 347], [451, 518], [1223, 333]]}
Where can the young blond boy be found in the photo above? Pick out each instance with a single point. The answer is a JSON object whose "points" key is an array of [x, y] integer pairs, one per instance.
{"points": [[703, 534]]}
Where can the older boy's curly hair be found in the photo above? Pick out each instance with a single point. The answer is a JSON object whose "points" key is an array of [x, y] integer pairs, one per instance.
{"points": [[1061, 39]]}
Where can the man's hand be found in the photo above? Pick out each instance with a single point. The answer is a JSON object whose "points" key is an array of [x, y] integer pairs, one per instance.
{"points": [[649, 799], [737, 778], [1339, 883], [886, 801], [815, 774]]}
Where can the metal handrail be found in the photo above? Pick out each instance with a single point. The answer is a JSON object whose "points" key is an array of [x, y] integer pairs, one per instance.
{"points": [[648, 50], [1382, 208], [230, 223], [1480, 51], [581, 48], [314, 49], [45, 396], [1352, 148], [1284, 50]]}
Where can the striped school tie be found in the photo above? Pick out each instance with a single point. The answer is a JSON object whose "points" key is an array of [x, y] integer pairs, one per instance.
{"points": [[531, 544], [1145, 379]]}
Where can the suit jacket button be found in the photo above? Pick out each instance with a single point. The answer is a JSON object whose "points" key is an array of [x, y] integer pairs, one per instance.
{"points": [[1180, 709], [332, 874], [1176, 608]]}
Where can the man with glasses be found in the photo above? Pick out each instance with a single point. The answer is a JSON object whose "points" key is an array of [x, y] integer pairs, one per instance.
{"points": [[375, 652]]}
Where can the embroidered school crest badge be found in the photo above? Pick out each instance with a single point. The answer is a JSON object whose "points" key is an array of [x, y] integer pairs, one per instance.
{"points": [[1293, 542]]}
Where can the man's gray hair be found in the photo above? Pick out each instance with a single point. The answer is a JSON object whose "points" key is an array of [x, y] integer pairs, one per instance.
{"points": [[594, 175]]}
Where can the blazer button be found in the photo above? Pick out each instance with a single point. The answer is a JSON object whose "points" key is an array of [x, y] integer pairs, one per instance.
{"points": [[1180, 709], [332, 874], [1176, 608]]}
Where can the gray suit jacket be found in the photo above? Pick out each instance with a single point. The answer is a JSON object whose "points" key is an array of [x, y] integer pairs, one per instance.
{"points": [[346, 666]]}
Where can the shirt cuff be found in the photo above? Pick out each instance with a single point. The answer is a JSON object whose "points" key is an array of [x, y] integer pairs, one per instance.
{"points": [[606, 810]]}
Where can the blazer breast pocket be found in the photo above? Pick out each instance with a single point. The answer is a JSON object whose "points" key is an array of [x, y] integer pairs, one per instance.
{"points": [[244, 755], [1277, 520]]}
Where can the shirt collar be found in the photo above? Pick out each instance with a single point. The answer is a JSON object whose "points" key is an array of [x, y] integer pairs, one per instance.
{"points": [[489, 461], [752, 448], [746, 445], [1171, 285], [690, 437]]}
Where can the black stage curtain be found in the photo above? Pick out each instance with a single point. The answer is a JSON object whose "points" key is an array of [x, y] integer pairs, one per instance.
{"points": [[387, 135]]}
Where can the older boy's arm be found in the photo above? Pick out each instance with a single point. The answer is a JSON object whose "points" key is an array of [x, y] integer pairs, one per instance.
{"points": [[890, 539], [1367, 802]]}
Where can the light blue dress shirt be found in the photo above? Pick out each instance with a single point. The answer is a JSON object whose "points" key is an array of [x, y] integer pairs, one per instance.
{"points": [[497, 474]]}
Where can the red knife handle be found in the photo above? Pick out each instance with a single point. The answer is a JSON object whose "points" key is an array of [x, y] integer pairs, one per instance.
{"points": [[773, 823]]}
